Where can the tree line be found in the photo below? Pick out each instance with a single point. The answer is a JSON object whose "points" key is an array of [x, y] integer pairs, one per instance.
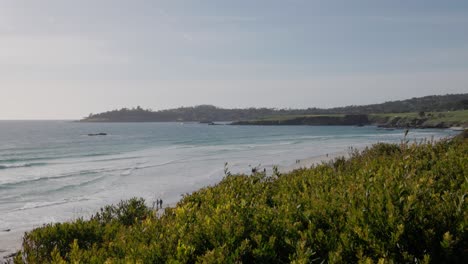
{"points": [[435, 103]]}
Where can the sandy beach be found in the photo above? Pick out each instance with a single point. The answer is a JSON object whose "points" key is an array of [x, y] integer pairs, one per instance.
{"points": [[308, 162], [10, 241]]}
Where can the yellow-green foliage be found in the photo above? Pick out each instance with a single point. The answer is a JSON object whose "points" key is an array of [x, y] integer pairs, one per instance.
{"points": [[388, 204]]}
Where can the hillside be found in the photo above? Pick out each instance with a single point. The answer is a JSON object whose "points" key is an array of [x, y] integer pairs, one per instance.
{"points": [[390, 120], [422, 119], [309, 120], [201, 113], [388, 204], [434, 103]]}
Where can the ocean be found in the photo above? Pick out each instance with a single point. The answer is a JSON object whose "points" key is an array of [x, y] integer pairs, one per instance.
{"points": [[52, 171]]}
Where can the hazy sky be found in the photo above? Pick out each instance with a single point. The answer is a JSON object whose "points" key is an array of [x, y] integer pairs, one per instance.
{"points": [[62, 59]]}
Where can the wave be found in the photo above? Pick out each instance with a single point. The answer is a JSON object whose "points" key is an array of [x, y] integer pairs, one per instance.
{"points": [[24, 165], [116, 159], [34, 205], [74, 186], [13, 160], [25, 159], [40, 179], [19, 196], [128, 171], [94, 155], [124, 172]]}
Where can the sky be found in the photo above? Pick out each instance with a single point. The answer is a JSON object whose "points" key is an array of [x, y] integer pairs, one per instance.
{"points": [[64, 59]]}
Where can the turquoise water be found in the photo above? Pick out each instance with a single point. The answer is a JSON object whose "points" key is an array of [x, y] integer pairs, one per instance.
{"points": [[53, 171]]}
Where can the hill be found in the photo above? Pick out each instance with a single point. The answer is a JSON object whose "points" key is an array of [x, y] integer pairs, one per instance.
{"points": [[433, 103], [436, 103], [390, 120]]}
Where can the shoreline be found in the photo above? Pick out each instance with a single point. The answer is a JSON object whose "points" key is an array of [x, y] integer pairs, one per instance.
{"points": [[315, 160], [10, 241]]}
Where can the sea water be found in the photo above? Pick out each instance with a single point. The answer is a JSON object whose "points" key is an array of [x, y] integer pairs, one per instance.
{"points": [[52, 171]]}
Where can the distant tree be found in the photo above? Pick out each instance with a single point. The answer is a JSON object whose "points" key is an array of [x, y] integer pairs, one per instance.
{"points": [[422, 114], [464, 104]]}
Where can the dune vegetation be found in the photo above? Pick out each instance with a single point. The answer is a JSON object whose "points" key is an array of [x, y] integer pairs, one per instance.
{"points": [[390, 203]]}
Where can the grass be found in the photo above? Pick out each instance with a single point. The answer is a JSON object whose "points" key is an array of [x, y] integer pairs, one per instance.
{"points": [[391, 203], [443, 116], [450, 117], [391, 115], [290, 117]]}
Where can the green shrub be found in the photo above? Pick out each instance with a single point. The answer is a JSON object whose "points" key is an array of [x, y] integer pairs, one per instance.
{"points": [[125, 212]]}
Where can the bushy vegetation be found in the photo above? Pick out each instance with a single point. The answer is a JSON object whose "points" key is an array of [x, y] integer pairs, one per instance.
{"points": [[402, 203]]}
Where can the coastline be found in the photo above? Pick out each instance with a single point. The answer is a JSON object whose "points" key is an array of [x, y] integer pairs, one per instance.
{"points": [[279, 203], [10, 242]]}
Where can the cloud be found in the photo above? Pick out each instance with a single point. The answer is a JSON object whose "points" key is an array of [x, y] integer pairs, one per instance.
{"points": [[440, 19], [62, 99], [55, 50], [225, 19]]}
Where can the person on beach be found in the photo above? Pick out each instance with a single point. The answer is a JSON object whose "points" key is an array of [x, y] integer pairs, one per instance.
{"points": [[158, 203]]}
